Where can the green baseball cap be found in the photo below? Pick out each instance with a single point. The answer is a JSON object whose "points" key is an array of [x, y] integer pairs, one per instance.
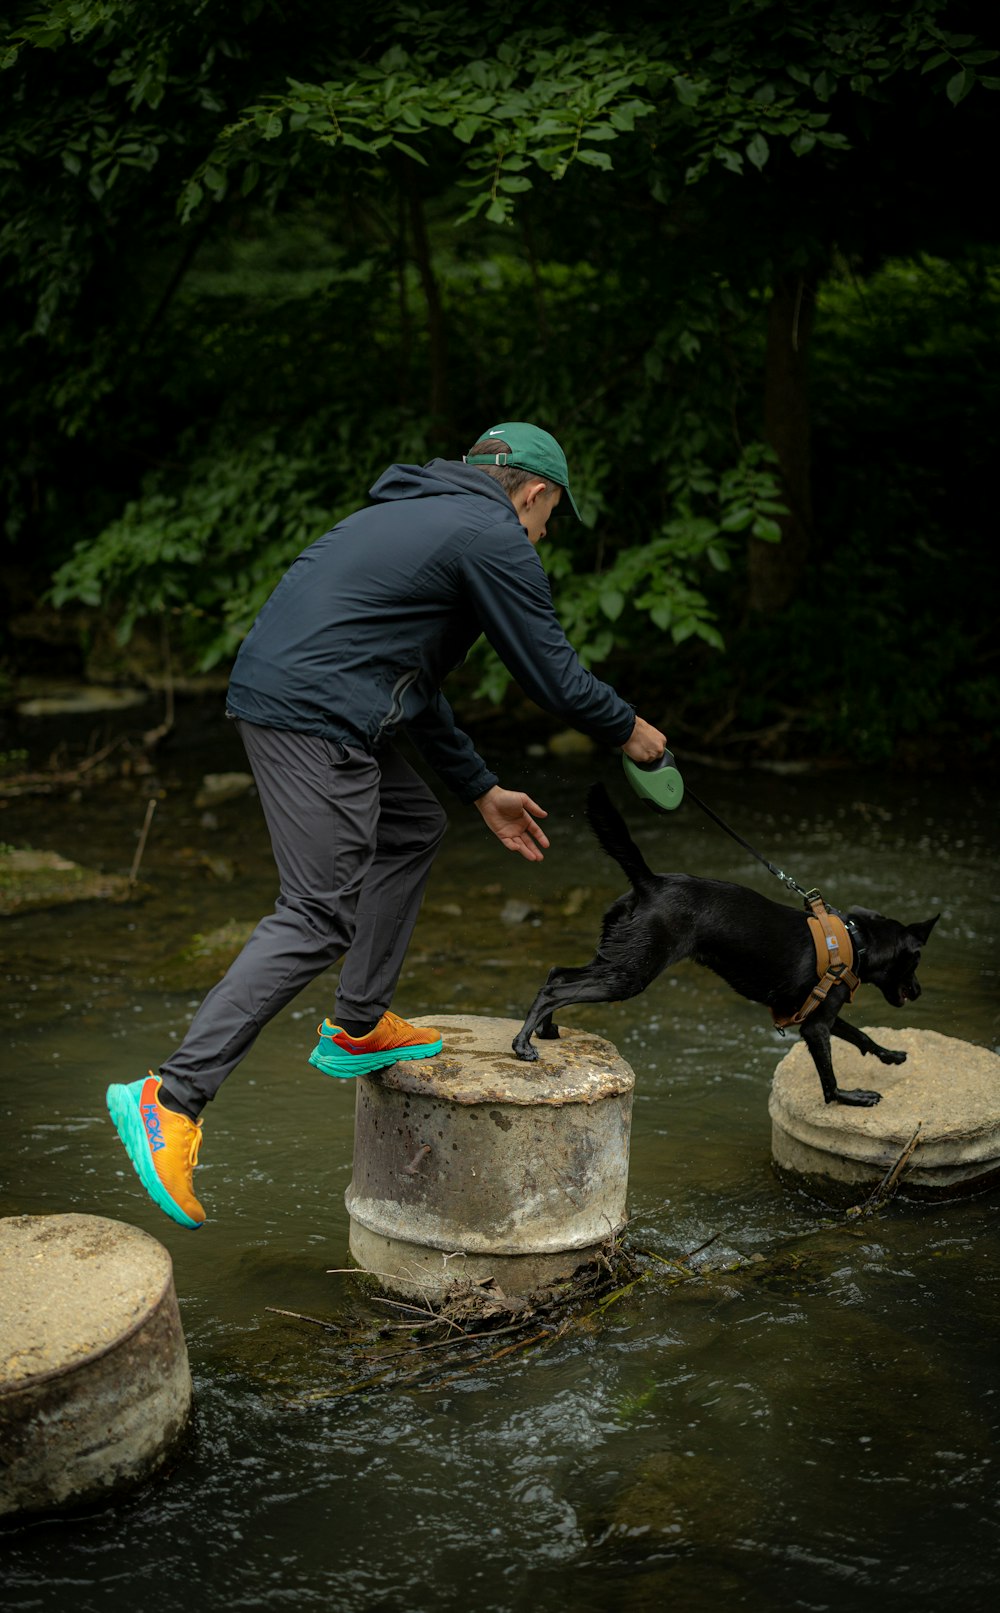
{"points": [[531, 449]]}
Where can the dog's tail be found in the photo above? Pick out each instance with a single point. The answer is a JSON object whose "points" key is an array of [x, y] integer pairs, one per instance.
{"points": [[609, 827]]}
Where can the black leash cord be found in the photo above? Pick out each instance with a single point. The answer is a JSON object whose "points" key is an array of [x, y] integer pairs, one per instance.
{"points": [[786, 879]]}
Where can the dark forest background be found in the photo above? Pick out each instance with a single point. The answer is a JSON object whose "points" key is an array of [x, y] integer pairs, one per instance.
{"points": [[741, 257]]}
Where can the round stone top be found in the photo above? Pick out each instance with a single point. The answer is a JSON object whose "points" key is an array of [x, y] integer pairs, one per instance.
{"points": [[949, 1088], [71, 1287], [477, 1065]]}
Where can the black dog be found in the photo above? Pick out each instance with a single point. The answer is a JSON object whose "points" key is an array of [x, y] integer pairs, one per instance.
{"points": [[761, 949]]}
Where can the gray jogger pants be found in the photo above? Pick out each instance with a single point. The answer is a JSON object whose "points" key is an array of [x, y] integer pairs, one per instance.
{"points": [[354, 838]]}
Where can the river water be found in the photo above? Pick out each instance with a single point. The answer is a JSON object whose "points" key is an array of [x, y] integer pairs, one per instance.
{"points": [[817, 1431]]}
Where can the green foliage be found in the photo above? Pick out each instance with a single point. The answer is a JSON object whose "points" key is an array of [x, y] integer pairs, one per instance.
{"points": [[887, 649], [540, 101], [252, 254], [660, 577], [205, 554], [658, 584]]}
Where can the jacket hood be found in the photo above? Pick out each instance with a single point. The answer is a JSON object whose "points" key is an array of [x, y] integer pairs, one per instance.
{"points": [[436, 477]]}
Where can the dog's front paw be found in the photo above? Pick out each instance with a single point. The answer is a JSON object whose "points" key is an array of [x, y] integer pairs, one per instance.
{"points": [[524, 1050], [888, 1056], [857, 1098]]}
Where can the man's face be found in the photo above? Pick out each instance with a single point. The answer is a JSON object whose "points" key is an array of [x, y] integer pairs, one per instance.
{"points": [[534, 507]]}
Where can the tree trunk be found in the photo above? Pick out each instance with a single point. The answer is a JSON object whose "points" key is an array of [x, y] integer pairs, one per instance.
{"points": [[775, 569]]}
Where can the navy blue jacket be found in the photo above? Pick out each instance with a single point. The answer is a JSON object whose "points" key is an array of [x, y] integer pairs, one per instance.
{"points": [[367, 622]]}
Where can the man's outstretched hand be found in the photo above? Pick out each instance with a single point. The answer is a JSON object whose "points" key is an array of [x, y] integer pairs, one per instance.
{"points": [[511, 816]]}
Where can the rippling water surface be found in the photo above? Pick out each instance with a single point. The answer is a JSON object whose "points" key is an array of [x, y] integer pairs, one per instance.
{"points": [[816, 1430]]}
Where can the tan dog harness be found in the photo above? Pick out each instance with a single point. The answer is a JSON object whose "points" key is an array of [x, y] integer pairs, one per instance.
{"points": [[834, 960]]}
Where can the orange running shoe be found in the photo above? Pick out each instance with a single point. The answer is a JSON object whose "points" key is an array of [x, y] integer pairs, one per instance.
{"points": [[393, 1039], [163, 1147]]}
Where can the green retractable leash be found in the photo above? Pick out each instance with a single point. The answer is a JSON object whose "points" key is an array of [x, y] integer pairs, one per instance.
{"points": [[660, 785]]}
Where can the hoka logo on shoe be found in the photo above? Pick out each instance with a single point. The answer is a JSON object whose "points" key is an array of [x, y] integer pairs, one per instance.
{"points": [[154, 1131]]}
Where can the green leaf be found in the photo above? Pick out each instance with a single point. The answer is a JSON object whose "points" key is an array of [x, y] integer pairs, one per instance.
{"points": [[766, 530], [594, 159], [736, 520], [395, 60], [803, 142], [466, 129], [758, 150], [718, 556], [685, 91], [799, 74], [958, 87], [689, 343], [936, 60], [498, 211], [612, 603], [410, 151], [513, 182]]}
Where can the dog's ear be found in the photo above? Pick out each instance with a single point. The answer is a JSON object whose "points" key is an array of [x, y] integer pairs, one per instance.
{"points": [[922, 931], [862, 913]]}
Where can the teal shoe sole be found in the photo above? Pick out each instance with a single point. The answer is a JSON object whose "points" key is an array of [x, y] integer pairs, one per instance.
{"points": [[345, 1066], [123, 1107]]}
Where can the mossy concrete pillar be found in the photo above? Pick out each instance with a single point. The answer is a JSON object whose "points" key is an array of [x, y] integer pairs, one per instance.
{"points": [[947, 1092], [474, 1165], [94, 1380]]}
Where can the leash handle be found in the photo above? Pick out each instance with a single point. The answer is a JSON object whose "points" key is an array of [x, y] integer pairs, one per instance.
{"points": [[786, 879]]}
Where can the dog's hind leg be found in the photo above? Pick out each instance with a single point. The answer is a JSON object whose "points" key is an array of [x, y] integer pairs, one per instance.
{"points": [[816, 1035], [864, 1044], [592, 982]]}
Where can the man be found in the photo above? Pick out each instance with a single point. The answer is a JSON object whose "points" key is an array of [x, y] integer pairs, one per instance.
{"points": [[352, 645]]}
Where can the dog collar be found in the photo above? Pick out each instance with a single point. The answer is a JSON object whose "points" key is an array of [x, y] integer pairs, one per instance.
{"points": [[855, 935]]}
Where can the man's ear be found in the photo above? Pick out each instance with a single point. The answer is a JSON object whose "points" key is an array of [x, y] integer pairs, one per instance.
{"points": [[528, 494]]}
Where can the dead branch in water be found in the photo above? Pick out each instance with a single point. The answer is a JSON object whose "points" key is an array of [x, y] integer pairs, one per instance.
{"points": [[472, 1316], [890, 1181], [50, 780]]}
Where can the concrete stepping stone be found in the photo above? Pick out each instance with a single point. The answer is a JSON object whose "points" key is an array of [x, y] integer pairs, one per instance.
{"points": [[947, 1088], [95, 1386], [474, 1166]]}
